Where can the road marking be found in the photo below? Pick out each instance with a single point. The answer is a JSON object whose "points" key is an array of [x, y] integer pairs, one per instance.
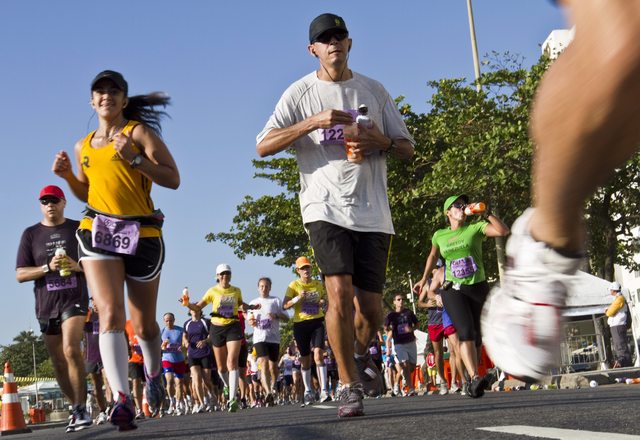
{"points": [[557, 433], [323, 407]]}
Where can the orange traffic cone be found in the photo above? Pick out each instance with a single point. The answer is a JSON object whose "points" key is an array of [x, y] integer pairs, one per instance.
{"points": [[145, 404], [12, 418]]}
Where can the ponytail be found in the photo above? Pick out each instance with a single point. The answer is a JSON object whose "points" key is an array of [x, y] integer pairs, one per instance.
{"points": [[141, 108]]}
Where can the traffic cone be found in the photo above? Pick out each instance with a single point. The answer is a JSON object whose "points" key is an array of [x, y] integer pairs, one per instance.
{"points": [[12, 418], [145, 404]]}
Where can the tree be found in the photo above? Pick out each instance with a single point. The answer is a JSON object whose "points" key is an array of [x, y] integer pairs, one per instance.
{"points": [[469, 142], [20, 353]]}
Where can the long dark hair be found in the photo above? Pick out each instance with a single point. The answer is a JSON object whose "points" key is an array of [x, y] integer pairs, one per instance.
{"points": [[142, 108]]}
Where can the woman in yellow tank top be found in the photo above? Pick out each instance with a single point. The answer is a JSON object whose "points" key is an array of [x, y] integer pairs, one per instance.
{"points": [[120, 236]]}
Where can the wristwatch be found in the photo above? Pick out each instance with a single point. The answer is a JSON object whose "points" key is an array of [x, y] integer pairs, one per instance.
{"points": [[136, 161], [45, 268]]}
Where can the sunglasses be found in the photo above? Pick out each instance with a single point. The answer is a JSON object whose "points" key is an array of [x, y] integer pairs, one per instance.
{"points": [[326, 37], [225, 274], [50, 200], [458, 205]]}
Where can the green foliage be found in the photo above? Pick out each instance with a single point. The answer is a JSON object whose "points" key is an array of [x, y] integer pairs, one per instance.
{"points": [[472, 142], [20, 354]]}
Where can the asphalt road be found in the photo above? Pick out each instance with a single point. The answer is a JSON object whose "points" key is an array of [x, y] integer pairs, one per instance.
{"points": [[603, 413]]}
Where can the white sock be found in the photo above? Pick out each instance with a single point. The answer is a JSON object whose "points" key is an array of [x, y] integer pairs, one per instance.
{"points": [[115, 358], [152, 355], [306, 379], [233, 383], [322, 376], [225, 378]]}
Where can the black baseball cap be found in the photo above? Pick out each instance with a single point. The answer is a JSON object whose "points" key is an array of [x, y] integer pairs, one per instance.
{"points": [[114, 76], [323, 23]]}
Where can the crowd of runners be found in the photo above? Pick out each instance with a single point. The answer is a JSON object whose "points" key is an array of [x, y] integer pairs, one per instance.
{"points": [[342, 127]]}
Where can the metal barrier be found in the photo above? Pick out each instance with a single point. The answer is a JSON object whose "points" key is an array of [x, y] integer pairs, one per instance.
{"points": [[582, 353]]}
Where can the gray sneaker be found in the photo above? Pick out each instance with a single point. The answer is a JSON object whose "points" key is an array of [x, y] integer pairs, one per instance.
{"points": [[350, 399], [369, 376]]}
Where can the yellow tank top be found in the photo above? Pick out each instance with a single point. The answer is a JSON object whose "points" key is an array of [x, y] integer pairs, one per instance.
{"points": [[309, 307], [114, 187]]}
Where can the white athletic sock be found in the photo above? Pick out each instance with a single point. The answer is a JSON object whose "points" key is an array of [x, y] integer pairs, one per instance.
{"points": [[225, 378], [115, 357], [233, 383], [152, 355], [306, 379], [322, 377]]}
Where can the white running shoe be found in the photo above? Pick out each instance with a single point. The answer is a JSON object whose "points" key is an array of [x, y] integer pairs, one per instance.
{"points": [[101, 419], [454, 388], [522, 319], [325, 397], [443, 388]]}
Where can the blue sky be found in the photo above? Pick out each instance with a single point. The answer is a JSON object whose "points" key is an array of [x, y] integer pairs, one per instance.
{"points": [[225, 64]]}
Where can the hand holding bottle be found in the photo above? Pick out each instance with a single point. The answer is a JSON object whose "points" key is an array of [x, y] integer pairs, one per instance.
{"points": [[475, 208], [184, 299]]}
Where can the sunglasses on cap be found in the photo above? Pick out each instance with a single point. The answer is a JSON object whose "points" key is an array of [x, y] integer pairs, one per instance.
{"points": [[49, 200], [326, 37]]}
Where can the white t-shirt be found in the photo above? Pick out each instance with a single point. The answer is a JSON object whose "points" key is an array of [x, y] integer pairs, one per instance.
{"points": [[351, 195], [267, 329]]}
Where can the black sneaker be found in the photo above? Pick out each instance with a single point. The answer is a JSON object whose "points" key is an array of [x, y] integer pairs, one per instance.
{"points": [[369, 376], [477, 386], [71, 427], [81, 418]]}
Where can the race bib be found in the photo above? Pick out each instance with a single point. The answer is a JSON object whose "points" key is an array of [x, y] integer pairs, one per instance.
{"points": [[55, 282], [310, 308], [173, 347], [335, 134], [264, 324], [403, 329], [225, 310], [115, 235], [463, 267], [373, 350]]}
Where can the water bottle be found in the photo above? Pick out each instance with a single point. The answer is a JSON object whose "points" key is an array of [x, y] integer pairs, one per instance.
{"points": [[475, 208], [64, 265], [185, 296], [363, 118]]}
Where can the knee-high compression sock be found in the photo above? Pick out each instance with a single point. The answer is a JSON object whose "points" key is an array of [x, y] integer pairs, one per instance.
{"points": [[322, 377], [306, 379], [152, 355], [233, 384], [115, 356]]}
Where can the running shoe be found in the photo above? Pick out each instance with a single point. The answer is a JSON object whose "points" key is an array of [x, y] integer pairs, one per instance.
{"points": [[225, 392], [454, 388], [465, 388], [154, 388], [325, 397], [123, 413], [139, 414], [71, 426], [308, 398], [369, 375], [443, 389], [101, 419], [81, 418], [477, 386], [410, 393], [350, 398], [522, 319], [269, 400], [233, 405]]}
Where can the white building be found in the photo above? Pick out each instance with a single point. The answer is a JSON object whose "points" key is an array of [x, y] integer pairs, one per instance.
{"points": [[557, 41]]}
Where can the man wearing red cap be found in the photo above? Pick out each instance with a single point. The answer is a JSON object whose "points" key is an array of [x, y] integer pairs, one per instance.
{"points": [[48, 255], [344, 203]]}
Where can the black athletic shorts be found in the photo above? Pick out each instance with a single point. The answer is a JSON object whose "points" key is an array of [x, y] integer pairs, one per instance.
{"points": [[136, 370], [221, 334], [309, 335], [464, 307], [93, 367], [363, 255], [145, 265], [203, 362], [53, 326], [270, 349]]}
